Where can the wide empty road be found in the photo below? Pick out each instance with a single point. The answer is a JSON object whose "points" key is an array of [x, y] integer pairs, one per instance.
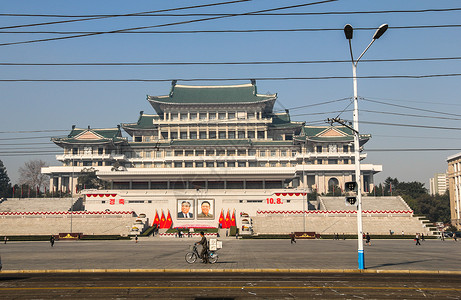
{"points": [[228, 285], [168, 253]]}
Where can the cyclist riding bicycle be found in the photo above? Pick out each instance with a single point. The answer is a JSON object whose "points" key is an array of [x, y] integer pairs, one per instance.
{"points": [[204, 243]]}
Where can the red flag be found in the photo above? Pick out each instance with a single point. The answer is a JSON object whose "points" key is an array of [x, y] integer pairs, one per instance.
{"points": [[228, 221], [162, 220], [156, 219], [221, 219], [233, 223], [168, 221]]}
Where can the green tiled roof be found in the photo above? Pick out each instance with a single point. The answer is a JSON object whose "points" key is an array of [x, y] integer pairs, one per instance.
{"points": [[104, 136], [145, 122], [230, 94]]}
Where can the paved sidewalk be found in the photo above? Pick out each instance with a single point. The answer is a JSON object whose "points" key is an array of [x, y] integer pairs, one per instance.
{"points": [[168, 253]]}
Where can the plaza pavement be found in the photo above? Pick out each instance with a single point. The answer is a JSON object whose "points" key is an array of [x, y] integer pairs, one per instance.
{"points": [[167, 254]]}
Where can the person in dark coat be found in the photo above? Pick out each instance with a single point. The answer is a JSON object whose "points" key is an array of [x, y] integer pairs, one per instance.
{"points": [[52, 239], [204, 243]]}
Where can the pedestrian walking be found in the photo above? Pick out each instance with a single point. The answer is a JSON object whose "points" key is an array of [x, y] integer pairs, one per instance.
{"points": [[52, 239], [422, 237], [368, 239], [417, 239], [293, 238], [136, 238], [455, 238], [5, 239]]}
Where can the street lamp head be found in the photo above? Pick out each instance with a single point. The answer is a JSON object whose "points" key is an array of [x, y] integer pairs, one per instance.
{"points": [[348, 30], [380, 31]]}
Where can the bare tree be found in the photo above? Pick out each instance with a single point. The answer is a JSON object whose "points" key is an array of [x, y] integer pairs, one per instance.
{"points": [[31, 174]]}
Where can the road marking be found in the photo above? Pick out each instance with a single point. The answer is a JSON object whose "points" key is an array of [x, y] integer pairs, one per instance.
{"points": [[230, 287]]}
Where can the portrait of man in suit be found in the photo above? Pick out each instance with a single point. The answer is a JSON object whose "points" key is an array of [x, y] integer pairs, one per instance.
{"points": [[206, 207], [184, 208]]}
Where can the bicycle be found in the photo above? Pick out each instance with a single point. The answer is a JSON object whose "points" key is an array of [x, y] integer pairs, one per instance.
{"points": [[192, 255]]}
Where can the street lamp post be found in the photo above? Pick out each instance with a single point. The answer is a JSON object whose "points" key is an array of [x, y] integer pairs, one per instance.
{"points": [[348, 31]]}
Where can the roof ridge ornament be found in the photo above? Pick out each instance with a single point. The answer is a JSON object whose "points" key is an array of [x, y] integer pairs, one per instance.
{"points": [[173, 84]]}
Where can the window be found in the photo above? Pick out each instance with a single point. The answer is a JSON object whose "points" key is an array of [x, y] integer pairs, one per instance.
{"points": [[251, 115], [189, 152], [202, 135], [138, 139], [87, 150], [210, 164], [138, 154], [231, 152], [183, 135], [178, 164], [273, 153], [241, 164], [231, 135], [100, 150], [221, 152], [260, 134], [345, 148], [319, 161], [174, 117], [252, 152], [189, 164], [147, 165], [148, 154], [86, 163], [283, 153], [212, 135], [332, 161], [252, 164], [202, 116], [222, 134], [262, 164], [293, 153], [318, 149], [212, 116], [332, 148], [221, 116], [241, 134], [231, 164], [346, 161], [251, 134], [262, 152], [220, 164], [178, 153], [99, 163], [168, 153], [157, 165], [167, 165], [283, 164], [199, 164], [273, 164], [210, 152], [174, 135], [193, 116], [199, 152], [183, 116], [193, 135], [231, 115], [241, 115], [164, 134], [242, 152], [74, 150], [75, 163], [288, 137]]}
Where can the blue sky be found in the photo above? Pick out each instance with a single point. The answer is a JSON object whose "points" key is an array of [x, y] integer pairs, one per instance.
{"points": [[39, 106]]}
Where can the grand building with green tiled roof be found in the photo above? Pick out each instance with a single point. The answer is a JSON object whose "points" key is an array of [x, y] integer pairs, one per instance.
{"points": [[221, 144]]}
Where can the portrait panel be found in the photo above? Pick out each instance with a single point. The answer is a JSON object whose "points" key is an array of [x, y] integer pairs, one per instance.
{"points": [[185, 209], [205, 209]]}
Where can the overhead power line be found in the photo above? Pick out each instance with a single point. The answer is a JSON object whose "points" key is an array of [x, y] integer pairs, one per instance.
{"points": [[167, 24], [225, 63], [138, 31], [411, 125], [239, 79], [251, 14], [90, 18], [410, 107]]}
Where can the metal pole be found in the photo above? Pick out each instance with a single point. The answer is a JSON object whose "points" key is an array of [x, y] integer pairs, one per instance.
{"points": [[361, 255], [71, 196]]}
